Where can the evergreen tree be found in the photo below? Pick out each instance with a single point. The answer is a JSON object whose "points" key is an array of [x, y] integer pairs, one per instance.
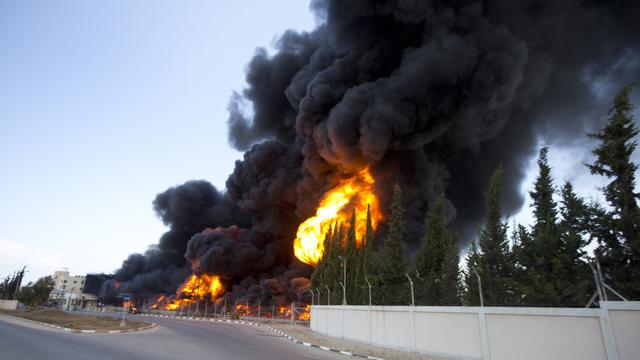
{"points": [[319, 277], [619, 253], [436, 263], [521, 240], [538, 257], [494, 263], [351, 258], [364, 263], [572, 274], [389, 264], [471, 295], [335, 265], [34, 295]]}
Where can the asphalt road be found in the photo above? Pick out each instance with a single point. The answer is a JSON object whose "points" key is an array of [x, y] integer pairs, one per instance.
{"points": [[172, 339]]}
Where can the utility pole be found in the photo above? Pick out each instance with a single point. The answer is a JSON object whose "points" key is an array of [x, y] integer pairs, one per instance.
{"points": [[344, 293]]}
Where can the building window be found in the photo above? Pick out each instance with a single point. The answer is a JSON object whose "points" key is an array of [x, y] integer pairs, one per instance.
{"points": [[65, 281]]}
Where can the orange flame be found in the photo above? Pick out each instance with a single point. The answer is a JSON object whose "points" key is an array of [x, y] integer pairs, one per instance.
{"points": [[195, 287], [355, 192], [305, 314], [242, 309]]}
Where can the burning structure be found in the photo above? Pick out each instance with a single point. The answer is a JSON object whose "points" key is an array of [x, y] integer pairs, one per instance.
{"points": [[432, 95]]}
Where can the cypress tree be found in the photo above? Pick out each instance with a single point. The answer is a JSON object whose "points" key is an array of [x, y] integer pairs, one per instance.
{"points": [[572, 274], [319, 277], [436, 263], [351, 256], [620, 252], [389, 264], [364, 262], [494, 263], [336, 274]]}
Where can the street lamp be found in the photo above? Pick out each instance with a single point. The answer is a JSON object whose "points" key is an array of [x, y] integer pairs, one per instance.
{"points": [[344, 278]]}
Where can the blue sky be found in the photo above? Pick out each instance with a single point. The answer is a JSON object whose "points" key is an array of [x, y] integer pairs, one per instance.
{"points": [[104, 104]]}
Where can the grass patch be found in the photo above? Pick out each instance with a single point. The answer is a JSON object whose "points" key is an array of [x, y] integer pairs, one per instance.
{"points": [[78, 322]]}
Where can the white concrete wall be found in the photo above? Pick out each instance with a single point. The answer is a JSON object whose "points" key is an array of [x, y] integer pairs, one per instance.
{"points": [[491, 332], [8, 304], [625, 328]]}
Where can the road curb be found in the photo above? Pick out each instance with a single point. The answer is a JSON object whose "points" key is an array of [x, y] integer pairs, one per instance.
{"points": [[84, 331], [281, 333]]}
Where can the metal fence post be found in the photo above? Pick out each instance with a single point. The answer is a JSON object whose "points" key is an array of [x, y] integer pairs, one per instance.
{"points": [[369, 310], [413, 325], [293, 312], [479, 287], [344, 279], [329, 295], [413, 302], [369, 285]]}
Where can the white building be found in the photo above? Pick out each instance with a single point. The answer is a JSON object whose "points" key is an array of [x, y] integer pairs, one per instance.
{"points": [[68, 292]]}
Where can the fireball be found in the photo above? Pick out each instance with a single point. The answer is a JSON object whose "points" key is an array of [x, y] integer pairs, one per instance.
{"points": [[352, 193]]}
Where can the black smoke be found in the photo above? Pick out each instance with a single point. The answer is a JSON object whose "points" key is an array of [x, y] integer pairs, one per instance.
{"points": [[433, 95]]}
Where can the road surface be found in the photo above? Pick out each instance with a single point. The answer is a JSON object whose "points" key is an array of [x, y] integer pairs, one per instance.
{"points": [[172, 339]]}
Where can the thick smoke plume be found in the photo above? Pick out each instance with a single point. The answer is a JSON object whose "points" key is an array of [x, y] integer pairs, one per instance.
{"points": [[433, 95]]}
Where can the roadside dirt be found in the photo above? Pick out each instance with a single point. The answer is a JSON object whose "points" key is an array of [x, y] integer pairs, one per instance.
{"points": [[78, 322], [303, 333]]}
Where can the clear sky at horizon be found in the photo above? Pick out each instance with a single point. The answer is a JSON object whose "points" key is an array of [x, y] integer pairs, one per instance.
{"points": [[105, 104]]}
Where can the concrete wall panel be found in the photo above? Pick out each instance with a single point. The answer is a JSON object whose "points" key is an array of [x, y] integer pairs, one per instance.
{"points": [[448, 333], [544, 337]]}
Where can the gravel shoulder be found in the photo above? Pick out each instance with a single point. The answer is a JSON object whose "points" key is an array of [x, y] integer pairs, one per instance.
{"points": [[303, 333]]}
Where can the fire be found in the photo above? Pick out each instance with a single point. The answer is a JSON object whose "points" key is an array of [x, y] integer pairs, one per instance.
{"points": [[201, 286], [355, 192], [284, 311], [242, 310], [305, 314], [195, 287]]}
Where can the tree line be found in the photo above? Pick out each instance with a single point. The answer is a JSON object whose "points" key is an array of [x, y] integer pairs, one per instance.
{"points": [[546, 264]]}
